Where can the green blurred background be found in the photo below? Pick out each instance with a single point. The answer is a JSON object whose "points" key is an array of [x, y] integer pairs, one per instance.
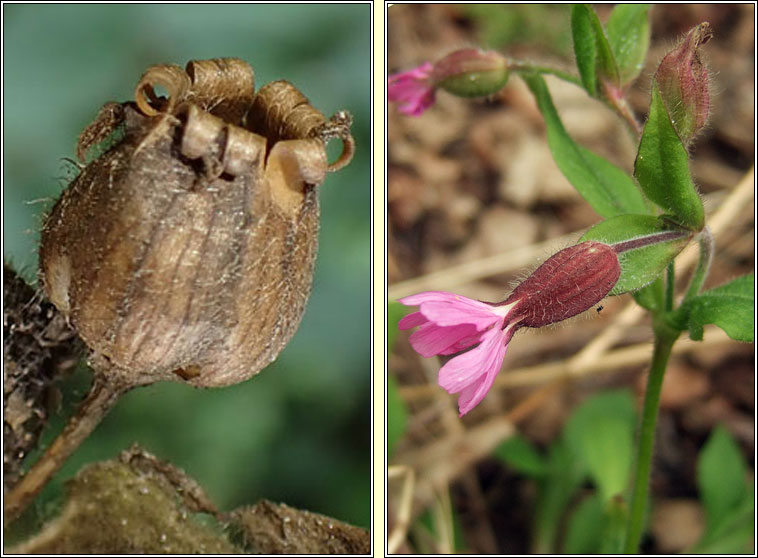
{"points": [[299, 432]]}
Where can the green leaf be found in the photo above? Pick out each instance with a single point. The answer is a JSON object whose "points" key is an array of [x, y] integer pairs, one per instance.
{"points": [[565, 476], [729, 306], [584, 524], [584, 46], [721, 476], [606, 67], [607, 188], [650, 296], [397, 415], [662, 168], [643, 265], [601, 434], [628, 31], [734, 533], [594, 56], [520, 455], [617, 515]]}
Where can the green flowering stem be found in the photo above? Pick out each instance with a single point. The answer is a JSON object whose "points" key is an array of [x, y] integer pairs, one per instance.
{"points": [[526, 67], [703, 265], [664, 341], [616, 99], [669, 300]]}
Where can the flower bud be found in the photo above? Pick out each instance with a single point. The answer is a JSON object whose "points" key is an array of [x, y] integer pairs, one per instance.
{"points": [[568, 283], [412, 90], [682, 79], [471, 72]]}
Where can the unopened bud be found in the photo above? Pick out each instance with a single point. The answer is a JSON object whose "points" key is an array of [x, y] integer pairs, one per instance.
{"points": [[682, 79], [471, 72], [568, 283]]}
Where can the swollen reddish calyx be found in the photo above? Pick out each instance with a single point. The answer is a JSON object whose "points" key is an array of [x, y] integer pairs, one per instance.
{"points": [[568, 283]]}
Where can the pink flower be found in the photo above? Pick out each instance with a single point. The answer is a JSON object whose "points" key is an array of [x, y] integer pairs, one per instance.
{"points": [[568, 283], [450, 323], [413, 90], [468, 72]]}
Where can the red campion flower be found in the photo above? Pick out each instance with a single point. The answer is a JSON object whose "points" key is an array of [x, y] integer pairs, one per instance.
{"points": [[568, 283]]}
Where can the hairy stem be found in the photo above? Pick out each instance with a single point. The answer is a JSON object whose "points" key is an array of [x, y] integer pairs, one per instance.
{"points": [[518, 66], [101, 399], [669, 297], [625, 111], [707, 245], [664, 342]]}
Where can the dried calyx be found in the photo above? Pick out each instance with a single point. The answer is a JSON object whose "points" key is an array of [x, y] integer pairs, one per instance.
{"points": [[187, 249]]}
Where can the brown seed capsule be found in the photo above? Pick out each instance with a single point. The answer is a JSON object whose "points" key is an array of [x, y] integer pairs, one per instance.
{"points": [[188, 247]]}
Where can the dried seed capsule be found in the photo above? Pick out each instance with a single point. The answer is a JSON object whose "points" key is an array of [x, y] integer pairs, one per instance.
{"points": [[188, 248]]}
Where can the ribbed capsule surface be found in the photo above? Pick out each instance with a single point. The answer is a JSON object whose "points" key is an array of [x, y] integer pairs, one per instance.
{"points": [[568, 283], [187, 250]]}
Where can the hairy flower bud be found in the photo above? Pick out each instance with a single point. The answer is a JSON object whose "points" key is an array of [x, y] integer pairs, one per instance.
{"points": [[471, 72], [468, 72], [568, 283], [682, 79]]}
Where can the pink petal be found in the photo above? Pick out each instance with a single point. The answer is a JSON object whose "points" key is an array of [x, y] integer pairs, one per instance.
{"points": [[462, 344], [417, 104], [464, 370], [420, 73], [448, 309], [448, 314], [411, 320], [431, 339], [430, 296], [412, 90], [472, 395]]}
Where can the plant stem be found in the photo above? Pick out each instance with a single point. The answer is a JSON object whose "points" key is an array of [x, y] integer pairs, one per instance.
{"points": [[664, 341], [518, 66], [100, 399], [703, 265], [625, 111], [669, 301]]}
